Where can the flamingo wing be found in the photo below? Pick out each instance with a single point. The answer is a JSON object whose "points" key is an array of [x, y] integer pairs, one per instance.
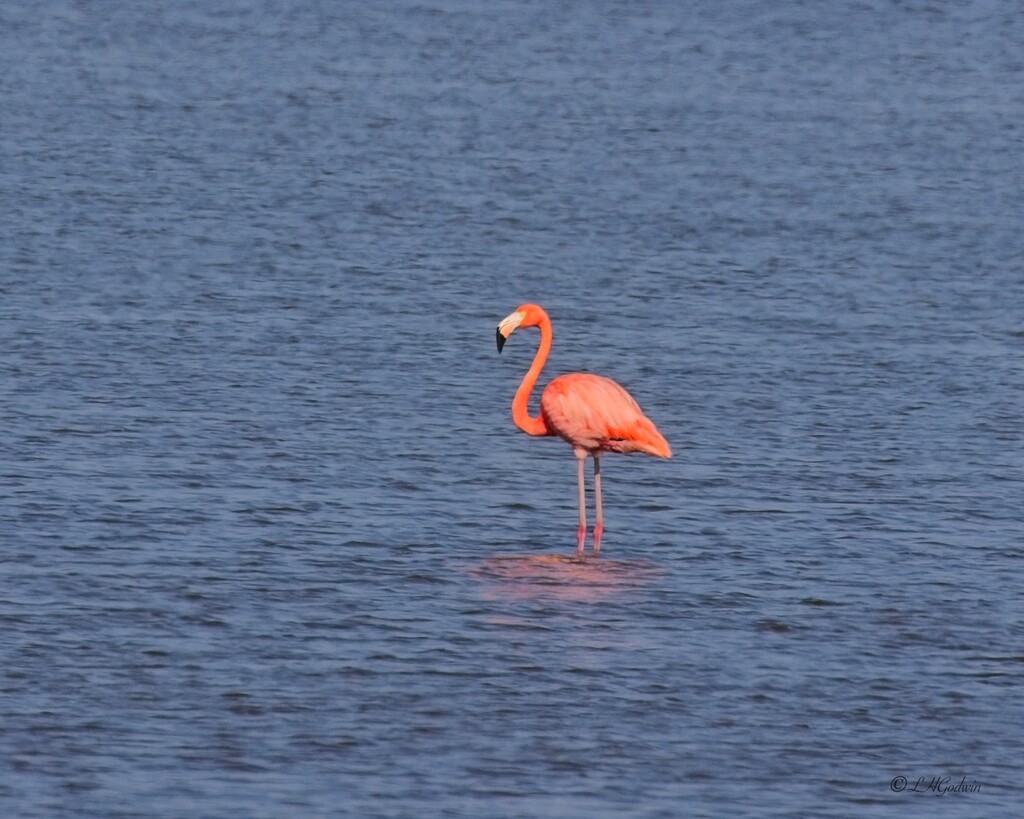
{"points": [[596, 413]]}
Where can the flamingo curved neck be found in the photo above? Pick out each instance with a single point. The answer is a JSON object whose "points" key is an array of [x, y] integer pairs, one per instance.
{"points": [[520, 404]]}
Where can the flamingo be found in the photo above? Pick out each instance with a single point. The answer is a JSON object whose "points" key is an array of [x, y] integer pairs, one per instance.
{"points": [[591, 412]]}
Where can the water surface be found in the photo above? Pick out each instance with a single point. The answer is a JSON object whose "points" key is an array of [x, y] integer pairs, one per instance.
{"points": [[270, 543]]}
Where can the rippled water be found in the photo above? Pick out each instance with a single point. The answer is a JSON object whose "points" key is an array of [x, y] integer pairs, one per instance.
{"points": [[270, 544]]}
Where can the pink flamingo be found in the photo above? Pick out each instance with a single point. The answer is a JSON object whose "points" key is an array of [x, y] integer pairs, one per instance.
{"points": [[591, 412]]}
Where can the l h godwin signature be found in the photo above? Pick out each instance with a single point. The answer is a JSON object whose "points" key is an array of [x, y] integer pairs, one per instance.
{"points": [[939, 785]]}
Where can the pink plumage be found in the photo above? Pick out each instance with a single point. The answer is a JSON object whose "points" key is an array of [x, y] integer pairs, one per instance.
{"points": [[596, 413]]}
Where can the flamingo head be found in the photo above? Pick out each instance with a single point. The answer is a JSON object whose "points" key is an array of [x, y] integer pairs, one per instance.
{"points": [[526, 315]]}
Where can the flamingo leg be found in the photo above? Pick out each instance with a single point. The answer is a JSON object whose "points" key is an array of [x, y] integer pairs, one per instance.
{"points": [[581, 533], [599, 523]]}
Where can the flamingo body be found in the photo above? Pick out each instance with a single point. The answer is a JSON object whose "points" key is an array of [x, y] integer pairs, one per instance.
{"points": [[592, 413], [597, 414]]}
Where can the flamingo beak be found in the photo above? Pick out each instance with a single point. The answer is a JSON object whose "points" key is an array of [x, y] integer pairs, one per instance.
{"points": [[506, 326]]}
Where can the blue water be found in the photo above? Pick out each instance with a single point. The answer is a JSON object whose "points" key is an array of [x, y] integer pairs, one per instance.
{"points": [[270, 544]]}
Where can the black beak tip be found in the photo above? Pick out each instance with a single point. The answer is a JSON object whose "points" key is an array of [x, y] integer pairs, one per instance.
{"points": [[500, 339]]}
